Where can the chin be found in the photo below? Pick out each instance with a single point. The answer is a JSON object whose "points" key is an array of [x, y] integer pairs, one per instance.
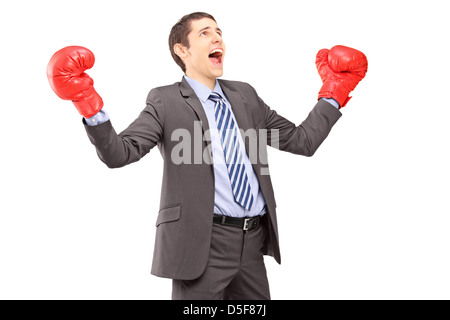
{"points": [[217, 73]]}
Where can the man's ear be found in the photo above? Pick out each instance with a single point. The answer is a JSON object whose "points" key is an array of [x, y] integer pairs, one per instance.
{"points": [[180, 50]]}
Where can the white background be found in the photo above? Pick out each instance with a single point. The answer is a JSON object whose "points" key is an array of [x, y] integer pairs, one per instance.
{"points": [[366, 218]]}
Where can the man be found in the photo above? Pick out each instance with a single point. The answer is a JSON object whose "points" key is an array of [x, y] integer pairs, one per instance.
{"points": [[217, 212]]}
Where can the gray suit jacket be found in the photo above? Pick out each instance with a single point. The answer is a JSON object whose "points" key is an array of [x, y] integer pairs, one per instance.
{"points": [[184, 221]]}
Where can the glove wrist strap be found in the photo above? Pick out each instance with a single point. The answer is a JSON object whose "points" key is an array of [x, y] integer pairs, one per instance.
{"points": [[90, 104]]}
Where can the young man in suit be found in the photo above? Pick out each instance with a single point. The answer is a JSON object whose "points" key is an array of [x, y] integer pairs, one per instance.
{"points": [[217, 213]]}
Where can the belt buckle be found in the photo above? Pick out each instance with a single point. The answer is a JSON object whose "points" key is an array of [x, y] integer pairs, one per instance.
{"points": [[250, 223], [246, 224]]}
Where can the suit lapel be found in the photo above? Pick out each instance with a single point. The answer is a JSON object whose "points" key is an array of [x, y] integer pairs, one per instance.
{"points": [[193, 101], [238, 107], [239, 110]]}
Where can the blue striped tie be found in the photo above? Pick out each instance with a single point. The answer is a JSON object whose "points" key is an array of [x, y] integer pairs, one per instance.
{"points": [[232, 151]]}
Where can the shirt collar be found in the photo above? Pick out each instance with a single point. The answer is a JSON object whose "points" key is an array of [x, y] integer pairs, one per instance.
{"points": [[202, 91]]}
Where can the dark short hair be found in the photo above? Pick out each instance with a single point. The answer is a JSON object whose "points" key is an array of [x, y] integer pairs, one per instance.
{"points": [[179, 34]]}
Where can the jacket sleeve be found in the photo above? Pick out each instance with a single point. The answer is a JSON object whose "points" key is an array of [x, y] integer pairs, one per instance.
{"points": [[118, 150], [306, 138]]}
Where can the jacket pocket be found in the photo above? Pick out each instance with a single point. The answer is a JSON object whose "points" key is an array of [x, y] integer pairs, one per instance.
{"points": [[168, 215]]}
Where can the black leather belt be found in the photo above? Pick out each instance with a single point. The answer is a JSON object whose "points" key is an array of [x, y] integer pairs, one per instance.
{"points": [[245, 224]]}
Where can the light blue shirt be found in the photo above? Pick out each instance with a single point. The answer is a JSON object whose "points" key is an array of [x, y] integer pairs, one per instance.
{"points": [[98, 118]]}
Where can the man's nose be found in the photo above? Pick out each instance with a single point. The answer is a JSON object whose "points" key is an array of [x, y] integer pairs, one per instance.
{"points": [[217, 38]]}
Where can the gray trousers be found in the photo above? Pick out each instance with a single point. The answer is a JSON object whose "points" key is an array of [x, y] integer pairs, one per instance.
{"points": [[235, 269]]}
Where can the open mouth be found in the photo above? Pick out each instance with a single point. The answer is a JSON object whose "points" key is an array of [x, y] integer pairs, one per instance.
{"points": [[216, 56]]}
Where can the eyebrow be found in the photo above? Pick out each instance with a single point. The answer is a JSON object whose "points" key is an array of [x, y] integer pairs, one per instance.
{"points": [[206, 28]]}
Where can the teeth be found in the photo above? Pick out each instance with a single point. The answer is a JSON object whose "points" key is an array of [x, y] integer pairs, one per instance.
{"points": [[216, 50]]}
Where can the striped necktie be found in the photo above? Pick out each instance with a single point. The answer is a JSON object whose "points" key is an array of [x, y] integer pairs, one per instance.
{"points": [[233, 153]]}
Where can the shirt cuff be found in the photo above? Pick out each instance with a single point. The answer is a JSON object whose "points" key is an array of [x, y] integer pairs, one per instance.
{"points": [[332, 102], [98, 118]]}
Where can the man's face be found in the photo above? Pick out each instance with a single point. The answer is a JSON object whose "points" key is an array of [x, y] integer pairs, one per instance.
{"points": [[204, 58]]}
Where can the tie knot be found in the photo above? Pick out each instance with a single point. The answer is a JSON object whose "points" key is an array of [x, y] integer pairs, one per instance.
{"points": [[215, 97]]}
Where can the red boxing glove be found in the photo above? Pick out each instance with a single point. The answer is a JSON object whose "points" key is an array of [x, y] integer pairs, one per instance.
{"points": [[65, 72], [340, 69]]}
